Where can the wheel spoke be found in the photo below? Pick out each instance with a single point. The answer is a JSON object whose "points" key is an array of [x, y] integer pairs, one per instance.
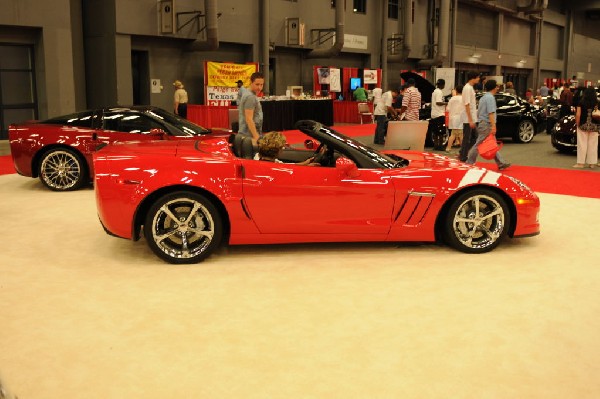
{"points": [[492, 214], [162, 237], [192, 212], [205, 233], [167, 211]]}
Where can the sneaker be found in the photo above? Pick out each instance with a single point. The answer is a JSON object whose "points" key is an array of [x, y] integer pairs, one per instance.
{"points": [[503, 166], [578, 166]]}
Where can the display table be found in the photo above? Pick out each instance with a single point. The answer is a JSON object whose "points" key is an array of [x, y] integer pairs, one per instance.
{"points": [[406, 135], [283, 114]]}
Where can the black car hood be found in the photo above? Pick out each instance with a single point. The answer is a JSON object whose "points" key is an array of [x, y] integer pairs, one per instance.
{"points": [[425, 87]]}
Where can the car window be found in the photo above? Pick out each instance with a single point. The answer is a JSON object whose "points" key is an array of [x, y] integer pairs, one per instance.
{"points": [[129, 122], [501, 101], [80, 119]]}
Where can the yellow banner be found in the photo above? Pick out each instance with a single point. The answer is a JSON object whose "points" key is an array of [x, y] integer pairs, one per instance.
{"points": [[226, 74]]}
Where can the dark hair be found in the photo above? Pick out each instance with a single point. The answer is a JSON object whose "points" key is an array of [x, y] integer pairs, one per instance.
{"points": [[410, 82], [490, 85], [256, 75], [459, 89], [440, 82], [472, 75], [589, 99]]}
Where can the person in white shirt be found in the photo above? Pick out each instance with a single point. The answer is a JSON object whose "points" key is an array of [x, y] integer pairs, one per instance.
{"points": [[438, 115], [180, 99], [455, 124], [382, 107], [469, 115]]}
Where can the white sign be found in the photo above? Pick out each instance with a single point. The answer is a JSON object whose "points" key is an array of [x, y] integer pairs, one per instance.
{"points": [[448, 75], [370, 76], [355, 41], [155, 86], [334, 80], [221, 95]]}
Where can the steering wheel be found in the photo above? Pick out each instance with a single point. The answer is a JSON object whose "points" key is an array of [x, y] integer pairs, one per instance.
{"points": [[323, 155]]}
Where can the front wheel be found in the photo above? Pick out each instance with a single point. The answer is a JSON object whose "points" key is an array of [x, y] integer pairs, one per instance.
{"points": [[183, 227], [525, 131], [62, 170], [477, 221]]}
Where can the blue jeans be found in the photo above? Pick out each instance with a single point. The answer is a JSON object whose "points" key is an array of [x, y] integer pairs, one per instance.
{"points": [[483, 130]]}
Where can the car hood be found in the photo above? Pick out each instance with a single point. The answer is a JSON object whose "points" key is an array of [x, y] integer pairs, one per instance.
{"points": [[429, 160]]}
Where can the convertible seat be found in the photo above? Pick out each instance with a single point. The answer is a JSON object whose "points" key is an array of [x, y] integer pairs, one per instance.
{"points": [[242, 146]]}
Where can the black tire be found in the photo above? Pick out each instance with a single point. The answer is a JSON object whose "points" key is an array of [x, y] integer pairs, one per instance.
{"points": [[525, 131], [189, 239], [62, 169], [465, 231]]}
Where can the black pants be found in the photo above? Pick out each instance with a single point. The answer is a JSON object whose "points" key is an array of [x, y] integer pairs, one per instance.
{"points": [[469, 137], [182, 110], [437, 126]]}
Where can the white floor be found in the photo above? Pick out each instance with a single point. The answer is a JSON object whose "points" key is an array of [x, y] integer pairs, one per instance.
{"points": [[86, 315]]}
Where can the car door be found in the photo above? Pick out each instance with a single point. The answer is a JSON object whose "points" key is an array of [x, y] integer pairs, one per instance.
{"points": [[508, 113], [297, 199]]}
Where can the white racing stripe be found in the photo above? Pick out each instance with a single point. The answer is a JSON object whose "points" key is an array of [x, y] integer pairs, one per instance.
{"points": [[472, 176]]}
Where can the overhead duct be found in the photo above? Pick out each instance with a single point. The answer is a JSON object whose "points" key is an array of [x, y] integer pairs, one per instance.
{"points": [[408, 34], [442, 43], [212, 31], [340, 9], [532, 6]]}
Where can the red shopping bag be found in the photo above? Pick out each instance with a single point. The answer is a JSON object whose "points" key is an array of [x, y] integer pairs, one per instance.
{"points": [[489, 147]]}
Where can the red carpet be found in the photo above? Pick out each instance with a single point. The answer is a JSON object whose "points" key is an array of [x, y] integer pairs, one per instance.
{"points": [[6, 165], [580, 183]]}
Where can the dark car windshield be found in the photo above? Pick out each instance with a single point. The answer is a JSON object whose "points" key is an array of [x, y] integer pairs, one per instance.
{"points": [[182, 126], [79, 119]]}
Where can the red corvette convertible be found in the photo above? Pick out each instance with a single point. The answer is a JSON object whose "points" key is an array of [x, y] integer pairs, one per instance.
{"points": [[59, 150], [190, 196]]}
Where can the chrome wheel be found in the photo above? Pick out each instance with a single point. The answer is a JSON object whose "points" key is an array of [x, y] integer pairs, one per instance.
{"points": [[61, 170], [526, 131], [477, 221], [183, 228]]}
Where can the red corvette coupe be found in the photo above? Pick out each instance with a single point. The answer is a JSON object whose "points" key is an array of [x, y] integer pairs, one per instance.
{"points": [[59, 150], [188, 197]]}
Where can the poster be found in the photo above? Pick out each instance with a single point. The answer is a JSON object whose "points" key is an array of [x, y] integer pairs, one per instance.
{"points": [[226, 74], [335, 84], [370, 76], [448, 75], [323, 76]]}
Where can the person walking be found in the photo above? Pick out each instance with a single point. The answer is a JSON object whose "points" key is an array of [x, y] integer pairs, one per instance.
{"points": [[587, 130], [250, 109], [180, 99], [382, 107], [455, 108], [487, 124], [411, 102], [438, 115], [469, 115]]}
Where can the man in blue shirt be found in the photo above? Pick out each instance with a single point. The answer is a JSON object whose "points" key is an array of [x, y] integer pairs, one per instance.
{"points": [[250, 110], [487, 124]]}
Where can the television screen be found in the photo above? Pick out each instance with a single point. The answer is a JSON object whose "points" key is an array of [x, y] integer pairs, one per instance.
{"points": [[354, 83]]}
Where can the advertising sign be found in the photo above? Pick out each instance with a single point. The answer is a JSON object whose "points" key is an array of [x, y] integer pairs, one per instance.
{"points": [[220, 79], [370, 76]]}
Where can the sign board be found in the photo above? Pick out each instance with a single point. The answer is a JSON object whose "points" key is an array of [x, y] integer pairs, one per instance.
{"points": [[166, 16], [448, 75], [220, 87], [335, 83], [370, 76], [356, 41], [155, 86], [221, 96]]}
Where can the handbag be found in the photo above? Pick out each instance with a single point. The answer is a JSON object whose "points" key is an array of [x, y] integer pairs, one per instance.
{"points": [[596, 115], [489, 147]]}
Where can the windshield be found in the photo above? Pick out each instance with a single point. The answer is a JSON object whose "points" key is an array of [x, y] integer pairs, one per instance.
{"points": [[385, 160], [183, 127]]}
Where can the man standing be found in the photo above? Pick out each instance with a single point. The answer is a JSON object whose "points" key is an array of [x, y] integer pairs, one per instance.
{"points": [[241, 91], [566, 100], [180, 99], [469, 115], [487, 124], [411, 102], [382, 107], [438, 115], [544, 90], [250, 110]]}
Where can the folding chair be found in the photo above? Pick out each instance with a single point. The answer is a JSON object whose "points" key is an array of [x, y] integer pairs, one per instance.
{"points": [[364, 110]]}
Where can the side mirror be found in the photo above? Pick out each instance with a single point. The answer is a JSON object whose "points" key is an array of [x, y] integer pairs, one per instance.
{"points": [[159, 134], [311, 144], [347, 167]]}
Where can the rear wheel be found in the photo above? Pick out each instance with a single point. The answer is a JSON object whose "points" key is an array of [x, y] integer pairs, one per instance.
{"points": [[183, 227], [477, 221], [62, 170]]}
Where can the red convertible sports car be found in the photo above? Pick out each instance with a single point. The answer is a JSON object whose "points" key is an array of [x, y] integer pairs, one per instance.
{"points": [[59, 150], [190, 196]]}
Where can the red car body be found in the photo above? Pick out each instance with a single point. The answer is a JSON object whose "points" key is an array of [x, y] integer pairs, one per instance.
{"points": [[59, 150], [359, 195]]}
